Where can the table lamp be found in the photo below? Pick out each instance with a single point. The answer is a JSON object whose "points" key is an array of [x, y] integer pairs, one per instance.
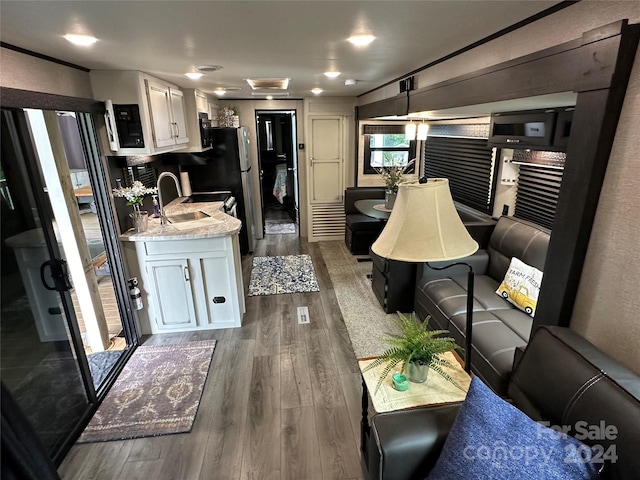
{"points": [[424, 226]]}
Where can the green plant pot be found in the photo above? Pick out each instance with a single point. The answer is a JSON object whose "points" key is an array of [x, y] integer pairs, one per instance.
{"points": [[417, 373]]}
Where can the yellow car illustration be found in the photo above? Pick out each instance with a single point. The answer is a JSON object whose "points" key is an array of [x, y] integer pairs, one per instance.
{"points": [[520, 297]]}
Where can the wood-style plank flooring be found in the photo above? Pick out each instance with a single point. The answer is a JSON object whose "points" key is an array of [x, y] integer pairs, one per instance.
{"points": [[282, 400]]}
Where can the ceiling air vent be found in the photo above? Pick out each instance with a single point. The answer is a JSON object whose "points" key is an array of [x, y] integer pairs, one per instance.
{"points": [[208, 68], [268, 83]]}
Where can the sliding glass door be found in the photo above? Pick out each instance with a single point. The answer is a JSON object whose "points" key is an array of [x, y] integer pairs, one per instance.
{"points": [[42, 362]]}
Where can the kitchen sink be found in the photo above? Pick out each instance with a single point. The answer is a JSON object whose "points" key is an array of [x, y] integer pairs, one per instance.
{"points": [[187, 217]]}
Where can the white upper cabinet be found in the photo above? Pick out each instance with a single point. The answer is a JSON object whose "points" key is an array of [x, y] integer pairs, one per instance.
{"points": [[167, 111], [149, 114], [202, 102], [179, 116], [196, 103]]}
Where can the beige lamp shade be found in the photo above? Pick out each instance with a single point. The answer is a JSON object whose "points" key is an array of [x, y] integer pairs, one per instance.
{"points": [[424, 225]]}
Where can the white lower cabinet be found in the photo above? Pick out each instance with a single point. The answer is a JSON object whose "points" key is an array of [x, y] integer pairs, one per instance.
{"points": [[188, 284], [170, 291]]}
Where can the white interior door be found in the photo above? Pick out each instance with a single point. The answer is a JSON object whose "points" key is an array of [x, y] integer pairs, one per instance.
{"points": [[327, 159], [326, 177]]}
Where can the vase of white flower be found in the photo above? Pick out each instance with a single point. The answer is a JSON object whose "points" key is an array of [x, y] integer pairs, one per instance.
{"points": [[140, 219], [134, 196], [392, 176]]}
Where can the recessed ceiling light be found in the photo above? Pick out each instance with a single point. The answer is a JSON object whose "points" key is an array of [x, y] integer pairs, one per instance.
{"points": [[220, 92], [350, 82], [331, 74], [269, 97], [81, 40], [193, 75], [361, 40], [316, 91]]}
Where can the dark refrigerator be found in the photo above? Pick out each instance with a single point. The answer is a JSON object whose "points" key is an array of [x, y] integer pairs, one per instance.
{"points": [[227, 167]]}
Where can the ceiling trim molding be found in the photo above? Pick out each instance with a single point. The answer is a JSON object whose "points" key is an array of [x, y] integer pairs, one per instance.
{"points": [[24, 51]]}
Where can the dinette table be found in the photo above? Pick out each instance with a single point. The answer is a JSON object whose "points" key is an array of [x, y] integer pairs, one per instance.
{"points": [[373, 207]]}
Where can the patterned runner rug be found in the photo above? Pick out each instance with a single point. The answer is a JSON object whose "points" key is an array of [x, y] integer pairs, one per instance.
{"points": [[287, 274], [157, 393], [366, 321]]}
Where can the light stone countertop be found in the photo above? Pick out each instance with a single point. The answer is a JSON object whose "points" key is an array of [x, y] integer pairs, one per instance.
{"points": [[219, 225]]}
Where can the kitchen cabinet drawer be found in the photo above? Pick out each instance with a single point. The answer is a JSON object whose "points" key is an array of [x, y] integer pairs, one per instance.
{"points": [[182, 247]]}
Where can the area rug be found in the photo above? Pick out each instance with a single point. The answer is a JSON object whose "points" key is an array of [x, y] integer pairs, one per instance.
{"points": [[366, 321], [157, 393], [276, 228], [282, 274], [101, 363]]}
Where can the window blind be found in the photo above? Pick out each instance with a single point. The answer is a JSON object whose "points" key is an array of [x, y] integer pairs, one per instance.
{"points": [[537, 194], [395, 129], [468, 164]]}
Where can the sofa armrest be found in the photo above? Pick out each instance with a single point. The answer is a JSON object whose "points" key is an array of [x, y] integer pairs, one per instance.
{"points": [[479, 261], [406, 444]]}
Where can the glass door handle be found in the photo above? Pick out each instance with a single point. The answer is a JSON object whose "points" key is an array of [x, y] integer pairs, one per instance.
{"points": [[59, 274]]}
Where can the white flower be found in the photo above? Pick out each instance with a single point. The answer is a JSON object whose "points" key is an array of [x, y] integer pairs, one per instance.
{"points": [[134, 193]]}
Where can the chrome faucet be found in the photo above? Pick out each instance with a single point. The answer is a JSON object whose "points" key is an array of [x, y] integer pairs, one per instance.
{"points": [[163, 219]]}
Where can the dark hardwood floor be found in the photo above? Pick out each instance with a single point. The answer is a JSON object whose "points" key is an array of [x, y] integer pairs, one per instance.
{"points": [[282, 400]]}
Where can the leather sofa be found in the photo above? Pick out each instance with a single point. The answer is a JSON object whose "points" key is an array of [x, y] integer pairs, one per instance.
{"points": [[360, 230], [498, 326], [560, 378]]}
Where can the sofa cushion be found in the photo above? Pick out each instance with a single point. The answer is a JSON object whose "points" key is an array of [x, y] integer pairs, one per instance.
{"points": [[449, 294], [494, 346], [358, 221], [521, 286], [493, 439], [516, 320], [516, 238], [594, 396]]}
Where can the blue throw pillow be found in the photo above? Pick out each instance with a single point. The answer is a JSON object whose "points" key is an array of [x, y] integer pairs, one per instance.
{"points": [[491, 439]]}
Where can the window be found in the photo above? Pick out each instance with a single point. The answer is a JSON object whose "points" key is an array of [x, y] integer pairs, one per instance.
{"points": [[468, 164], [386, 146], [539, 181]]}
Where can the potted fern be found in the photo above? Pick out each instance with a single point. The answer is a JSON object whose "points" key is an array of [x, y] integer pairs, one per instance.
{"points": [[417, 348]]}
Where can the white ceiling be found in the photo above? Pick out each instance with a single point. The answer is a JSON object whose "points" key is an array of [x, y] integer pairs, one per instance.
{"points": [[260, 39]]}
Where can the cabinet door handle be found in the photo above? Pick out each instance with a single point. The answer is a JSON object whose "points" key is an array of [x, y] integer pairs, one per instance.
{"points": [[186, 274], [177, 129]]}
